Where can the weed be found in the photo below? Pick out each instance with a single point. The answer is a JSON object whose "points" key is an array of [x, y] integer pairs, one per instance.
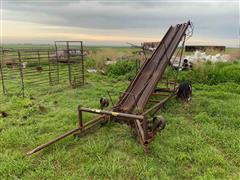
{"points": [[122, 69], [213, 74]]}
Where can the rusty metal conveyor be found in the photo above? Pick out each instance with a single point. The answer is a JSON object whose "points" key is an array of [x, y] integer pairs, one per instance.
{"points": [[130, 108], [141, 88]]}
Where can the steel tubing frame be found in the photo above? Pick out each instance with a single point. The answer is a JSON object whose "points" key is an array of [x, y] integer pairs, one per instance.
{"points": [[137, 121]]}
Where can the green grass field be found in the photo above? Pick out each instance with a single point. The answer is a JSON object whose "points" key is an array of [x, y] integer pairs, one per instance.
{"points": [[201, 139]]}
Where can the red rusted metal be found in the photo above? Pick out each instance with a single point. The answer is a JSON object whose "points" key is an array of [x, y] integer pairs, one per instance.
{"points": [[151, 72], [80, 129], [131, 105]]}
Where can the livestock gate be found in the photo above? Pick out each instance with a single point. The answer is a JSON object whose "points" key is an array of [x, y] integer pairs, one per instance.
{"points": [[71, 53], [22, 70]]}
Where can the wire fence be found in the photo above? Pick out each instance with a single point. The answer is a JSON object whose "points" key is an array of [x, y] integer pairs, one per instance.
{"points": [[24, 69]]}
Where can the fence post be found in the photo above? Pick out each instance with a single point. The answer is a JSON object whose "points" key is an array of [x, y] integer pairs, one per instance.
{"points": [[82, 62], [21, 72], [1, 71], [49, 69], [57, 61], [38, 54], [69, 65]]}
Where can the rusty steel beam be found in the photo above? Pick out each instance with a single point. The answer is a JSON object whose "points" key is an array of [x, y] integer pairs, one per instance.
{"points": [[111, 113], [159, 94], [83, 129], [151, 72], [52, 141], [164, 90], [158, 105]]}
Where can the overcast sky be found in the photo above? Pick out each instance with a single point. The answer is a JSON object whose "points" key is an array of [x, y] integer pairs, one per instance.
{"points": [[117, 22]]}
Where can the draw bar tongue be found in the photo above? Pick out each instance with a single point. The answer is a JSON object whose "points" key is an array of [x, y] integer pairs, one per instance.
{"points": [[83, 129], [87, 126], [52, 142]]}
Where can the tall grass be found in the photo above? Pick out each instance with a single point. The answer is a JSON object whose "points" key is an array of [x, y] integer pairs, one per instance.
{"points": [[209, 73], [122, 69]]}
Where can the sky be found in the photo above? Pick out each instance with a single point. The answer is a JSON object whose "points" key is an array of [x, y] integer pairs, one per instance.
{"points": [[107, 22]]}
